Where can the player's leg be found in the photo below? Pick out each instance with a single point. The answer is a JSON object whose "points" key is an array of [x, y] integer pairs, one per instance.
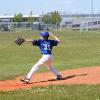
{"points": [[52, 69], [34, 69], [46, 59], [28, 77]]}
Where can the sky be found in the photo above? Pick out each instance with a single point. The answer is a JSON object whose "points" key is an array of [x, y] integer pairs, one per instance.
{"points": [[11, 7]]}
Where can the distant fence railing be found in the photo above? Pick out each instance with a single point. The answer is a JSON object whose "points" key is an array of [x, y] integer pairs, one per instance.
{"points": [[10, 26], [15, 25]]}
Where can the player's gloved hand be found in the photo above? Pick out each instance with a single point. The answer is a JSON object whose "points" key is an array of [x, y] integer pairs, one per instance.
{"points": [[19, 41]]}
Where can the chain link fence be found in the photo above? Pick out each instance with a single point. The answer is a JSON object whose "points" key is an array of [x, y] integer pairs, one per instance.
{"points": [[17, 26]]}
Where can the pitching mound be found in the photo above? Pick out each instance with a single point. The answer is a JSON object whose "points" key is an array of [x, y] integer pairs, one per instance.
{"points": [[90, 75]]}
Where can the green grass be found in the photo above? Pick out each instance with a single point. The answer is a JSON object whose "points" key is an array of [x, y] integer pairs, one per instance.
{"points": [[73, 92], [77, 50]]}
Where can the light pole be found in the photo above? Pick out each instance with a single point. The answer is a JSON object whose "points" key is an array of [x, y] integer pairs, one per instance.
{"points": [[92, 13]]}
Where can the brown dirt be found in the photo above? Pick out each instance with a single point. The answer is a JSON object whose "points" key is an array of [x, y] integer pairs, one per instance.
{"points": [[90, 75]]}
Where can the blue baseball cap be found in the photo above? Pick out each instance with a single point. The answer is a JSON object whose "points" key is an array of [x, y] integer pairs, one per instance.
{"points": [[44, 34]]}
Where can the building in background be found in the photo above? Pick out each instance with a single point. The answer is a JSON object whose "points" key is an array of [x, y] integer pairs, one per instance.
{"points": [[9, 18], [73, 21], [7, 24], [83, 21]]}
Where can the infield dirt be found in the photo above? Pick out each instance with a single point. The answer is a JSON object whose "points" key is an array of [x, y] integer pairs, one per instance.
{"points": [[89, 75]]}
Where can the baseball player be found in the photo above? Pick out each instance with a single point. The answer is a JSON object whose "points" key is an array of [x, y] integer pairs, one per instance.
{"points": [[45, 46]]}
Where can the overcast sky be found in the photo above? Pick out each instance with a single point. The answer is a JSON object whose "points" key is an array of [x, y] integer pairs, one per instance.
{"points": [[43, 6]]}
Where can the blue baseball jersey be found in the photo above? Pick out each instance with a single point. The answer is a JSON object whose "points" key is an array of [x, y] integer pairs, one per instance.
{"points": [[45, 45]]}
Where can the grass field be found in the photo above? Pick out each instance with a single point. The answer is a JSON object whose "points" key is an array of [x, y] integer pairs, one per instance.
{"points": [[77, 50], [73, 92]]}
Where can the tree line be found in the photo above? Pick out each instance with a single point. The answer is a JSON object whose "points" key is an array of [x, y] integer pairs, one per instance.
{"points": [[49, 18]]}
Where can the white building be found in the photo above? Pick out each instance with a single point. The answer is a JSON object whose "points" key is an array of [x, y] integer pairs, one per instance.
{"points": [[10, 18]]}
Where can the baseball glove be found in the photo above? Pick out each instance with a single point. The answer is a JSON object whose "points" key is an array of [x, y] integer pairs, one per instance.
{"points": [[19, 41]]}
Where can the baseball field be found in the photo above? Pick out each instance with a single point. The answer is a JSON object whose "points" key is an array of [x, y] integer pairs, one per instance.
{"points": [[77, 50]]}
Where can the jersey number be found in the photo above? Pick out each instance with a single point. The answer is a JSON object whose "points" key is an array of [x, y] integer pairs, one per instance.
{"points": [[47, 47]]}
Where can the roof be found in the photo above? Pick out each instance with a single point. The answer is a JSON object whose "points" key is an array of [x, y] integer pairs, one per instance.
{"points": [[12, 16]]}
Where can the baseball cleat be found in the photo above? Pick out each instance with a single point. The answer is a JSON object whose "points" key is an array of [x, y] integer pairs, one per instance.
{"points": [[59, 77], [25, 80]]}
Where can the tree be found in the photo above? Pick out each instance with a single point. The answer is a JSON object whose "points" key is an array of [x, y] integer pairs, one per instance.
{"points": [[52, 17], [56, 19], [46, 19], [18, 17]]}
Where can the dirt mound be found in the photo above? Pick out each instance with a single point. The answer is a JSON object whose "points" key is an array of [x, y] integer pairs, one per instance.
{"points": [[90, 75]]}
